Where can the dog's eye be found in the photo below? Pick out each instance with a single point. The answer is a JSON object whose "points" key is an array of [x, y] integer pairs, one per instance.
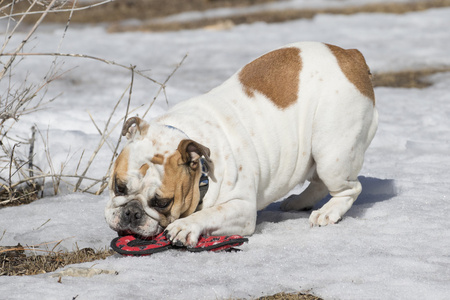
{"points": [[120, 189], [160, 203]]}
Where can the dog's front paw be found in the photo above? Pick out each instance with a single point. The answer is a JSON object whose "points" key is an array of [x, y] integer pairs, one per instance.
{"points": [[324, 216], [183, 233]]}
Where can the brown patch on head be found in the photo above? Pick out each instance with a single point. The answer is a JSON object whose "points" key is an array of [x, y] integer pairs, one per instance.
{"points": [[119, 177], [143, 169], [275, 75], [158, 159], [181, 180], [354, 66], [121, 165], [180, 183]]}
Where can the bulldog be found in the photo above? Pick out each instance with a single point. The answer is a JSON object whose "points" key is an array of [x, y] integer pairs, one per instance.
{"points": [[305, 111]]}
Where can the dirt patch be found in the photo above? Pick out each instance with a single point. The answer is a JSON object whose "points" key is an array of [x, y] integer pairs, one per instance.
{"points": [[290, 296], [14, 262], [406, 79]]}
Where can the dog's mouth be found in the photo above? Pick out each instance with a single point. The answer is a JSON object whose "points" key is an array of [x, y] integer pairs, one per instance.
{"points": [[137, 235], [125, 232], [140, 235]]}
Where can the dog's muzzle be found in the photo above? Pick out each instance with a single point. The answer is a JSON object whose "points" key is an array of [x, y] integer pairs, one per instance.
{"points": [[132, 215]]}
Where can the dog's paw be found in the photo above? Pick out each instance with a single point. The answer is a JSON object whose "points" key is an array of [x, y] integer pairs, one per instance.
{"points": [[323, 217], [183, 233]]}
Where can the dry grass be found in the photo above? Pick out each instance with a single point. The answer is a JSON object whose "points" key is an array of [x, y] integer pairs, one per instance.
{"points": [[14, 262], [407, 79], [24, 194]]}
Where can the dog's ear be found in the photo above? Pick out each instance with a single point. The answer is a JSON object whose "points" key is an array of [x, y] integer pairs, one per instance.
{"points": [[134, 127], [191, 152]]}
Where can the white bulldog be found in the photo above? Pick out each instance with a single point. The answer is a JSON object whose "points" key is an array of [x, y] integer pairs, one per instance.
{"points": [[305, 111]]}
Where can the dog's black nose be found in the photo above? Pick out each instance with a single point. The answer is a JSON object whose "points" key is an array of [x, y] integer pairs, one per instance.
{"points": [[132, 214]]}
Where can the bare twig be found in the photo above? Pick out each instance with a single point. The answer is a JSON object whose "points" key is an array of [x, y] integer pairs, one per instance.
{"points": [[31, 153], [19, 48], [107, 124], [10, 35], [79, 162], [10, 167], [109, 62], [25, 94], [57, 10], [67, 24], [99, 131], [105, 183], [36, 177], [163, 85]]}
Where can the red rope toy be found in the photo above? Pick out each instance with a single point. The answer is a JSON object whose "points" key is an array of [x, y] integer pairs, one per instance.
{"points": [[135, 246]]}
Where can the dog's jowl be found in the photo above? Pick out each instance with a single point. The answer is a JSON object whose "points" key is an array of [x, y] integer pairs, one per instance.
{"points": [[305, 111]]}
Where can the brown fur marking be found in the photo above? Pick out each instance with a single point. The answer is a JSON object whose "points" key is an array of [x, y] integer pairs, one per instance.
{"points": [[354, 66], [158, 159], [121, 166], [180, 182], [143, 169], [275, 75]]}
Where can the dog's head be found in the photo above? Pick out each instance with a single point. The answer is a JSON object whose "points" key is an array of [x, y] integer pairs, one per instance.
{"points": [[155, 179]]}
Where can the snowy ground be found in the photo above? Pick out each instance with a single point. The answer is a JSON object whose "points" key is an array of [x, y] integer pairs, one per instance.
{"points": [[392, 244]]}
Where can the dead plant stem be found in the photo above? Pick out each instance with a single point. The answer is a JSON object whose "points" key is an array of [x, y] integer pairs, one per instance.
{"points": [[59, 10], [31, 153], [130, 92], [162, 86], [25, 40]]}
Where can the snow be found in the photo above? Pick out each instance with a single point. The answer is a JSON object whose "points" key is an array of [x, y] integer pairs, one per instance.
{"points": [[392, 244]]}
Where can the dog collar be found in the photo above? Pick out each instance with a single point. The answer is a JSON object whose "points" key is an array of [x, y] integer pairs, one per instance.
{"points": [[204, 180]]}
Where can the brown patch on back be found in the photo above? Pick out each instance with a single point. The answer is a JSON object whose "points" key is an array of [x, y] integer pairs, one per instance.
{"points": [[275, 75], [354, 67]]}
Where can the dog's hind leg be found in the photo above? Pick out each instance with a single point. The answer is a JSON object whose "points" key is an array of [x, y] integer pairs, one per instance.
{"points": [[339, 156], [306, 200]]}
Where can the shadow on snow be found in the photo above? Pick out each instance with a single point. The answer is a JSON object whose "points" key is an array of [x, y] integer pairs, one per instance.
{"points": [[374, 190]]}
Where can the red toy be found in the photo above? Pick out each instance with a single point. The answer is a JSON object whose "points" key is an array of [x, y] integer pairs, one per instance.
{"points": [[132, 245]]}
